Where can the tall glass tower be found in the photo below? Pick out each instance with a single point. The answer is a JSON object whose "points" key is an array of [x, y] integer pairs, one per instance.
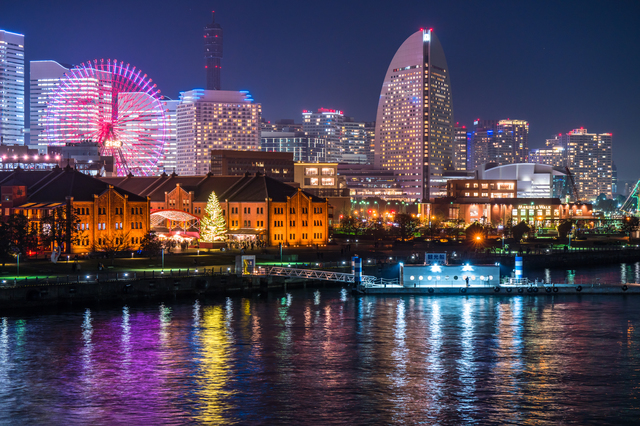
{"points": [[11, 87], [414, 125], [213, 53]]}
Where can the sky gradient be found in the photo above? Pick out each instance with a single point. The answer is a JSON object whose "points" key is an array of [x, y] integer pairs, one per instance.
{"points": [[559, 65]]}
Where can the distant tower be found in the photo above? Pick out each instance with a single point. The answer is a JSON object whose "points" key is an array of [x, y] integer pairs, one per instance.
{"points": [[213, 53]]}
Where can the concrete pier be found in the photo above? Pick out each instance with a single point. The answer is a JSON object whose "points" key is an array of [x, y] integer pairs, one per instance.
{"points": [[506, 290]]}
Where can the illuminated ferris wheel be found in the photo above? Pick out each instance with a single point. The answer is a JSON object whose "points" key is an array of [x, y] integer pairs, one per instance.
{"points": [[114, 105]]}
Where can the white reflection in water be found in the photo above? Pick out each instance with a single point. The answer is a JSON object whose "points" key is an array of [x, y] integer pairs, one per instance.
{"points": [[343, 295], [4, 347], [400, 351], [196, 313], [165, 321], [547, 276], [126, 336], [434, 366], [466, 365], [637, 272], [316, 297]]}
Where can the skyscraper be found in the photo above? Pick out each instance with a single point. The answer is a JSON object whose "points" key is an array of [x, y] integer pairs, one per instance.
{"points": [[589, 157], [44, 79], [214, 119], [500, 141], [414, 124], [325, 124], [460, 148], [11, 87], [167, 162], [213, 53]]}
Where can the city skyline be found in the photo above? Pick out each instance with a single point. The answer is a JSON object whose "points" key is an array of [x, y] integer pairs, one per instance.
{"points": [[544, 79]]}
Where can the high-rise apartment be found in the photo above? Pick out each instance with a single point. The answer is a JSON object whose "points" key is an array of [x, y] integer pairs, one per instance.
{"points": [[325, 124], [553, 154], [213, 53], [44, 78], [589, 157], [370, 129], [414, 124], [11, 87], [214, 119], [305, 148]]}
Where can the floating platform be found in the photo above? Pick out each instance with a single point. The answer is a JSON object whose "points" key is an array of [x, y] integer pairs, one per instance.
{"points": [[506, 289]]}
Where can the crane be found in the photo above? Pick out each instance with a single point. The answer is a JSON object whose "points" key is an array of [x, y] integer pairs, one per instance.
{"points": [[576, 195], [630, 205]]}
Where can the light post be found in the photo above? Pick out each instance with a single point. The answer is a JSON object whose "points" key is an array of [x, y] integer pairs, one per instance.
{"points": [[163, 259], [18, 266]]}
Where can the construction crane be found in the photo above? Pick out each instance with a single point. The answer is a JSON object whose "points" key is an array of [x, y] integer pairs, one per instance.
{"points": [[576, 195], [630, 205]]}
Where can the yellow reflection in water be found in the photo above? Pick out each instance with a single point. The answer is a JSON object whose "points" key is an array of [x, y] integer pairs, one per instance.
{"points": [[214, 365]]}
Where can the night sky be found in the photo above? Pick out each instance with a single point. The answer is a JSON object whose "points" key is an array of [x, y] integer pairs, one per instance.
{"points": [[559, 65]]}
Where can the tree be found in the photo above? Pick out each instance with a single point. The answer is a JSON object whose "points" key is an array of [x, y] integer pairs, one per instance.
{"points": [[212, 225], [630, 224], [151, 244], [407, 225], [519, 230], [351, 225], [564, 228], [61, 227], [112, 244], [17, 235]]}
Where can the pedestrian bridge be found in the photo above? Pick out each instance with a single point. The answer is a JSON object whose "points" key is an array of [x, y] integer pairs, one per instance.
{"points": [[314, 274]]}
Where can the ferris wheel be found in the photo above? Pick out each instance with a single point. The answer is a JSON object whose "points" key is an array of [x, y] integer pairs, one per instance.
{"points": [[112, 104]]}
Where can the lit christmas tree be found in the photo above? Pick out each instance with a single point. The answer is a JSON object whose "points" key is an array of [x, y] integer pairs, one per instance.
{"points": [[212, 225]]}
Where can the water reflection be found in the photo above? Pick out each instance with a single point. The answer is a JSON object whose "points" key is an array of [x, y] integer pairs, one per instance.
{"points": [[326, 357]]}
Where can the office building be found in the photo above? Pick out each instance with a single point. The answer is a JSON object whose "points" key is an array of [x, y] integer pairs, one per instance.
{"points": [[167, 162], [325, 124], [44, 78], [533, 180], [11, 88], [481, 188], [283, 125], [553, 155], [365, 181], [306, 149], [460, 148], [214, 119], [414, 122], [213, 53], [353, 142], [500, 142], [370, 129], [277, 165]]}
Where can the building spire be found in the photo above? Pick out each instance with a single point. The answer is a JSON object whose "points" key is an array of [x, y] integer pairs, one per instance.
{"points": [[213, 53]]}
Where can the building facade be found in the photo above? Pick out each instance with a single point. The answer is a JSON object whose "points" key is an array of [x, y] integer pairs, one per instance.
{"points": [[256, 208], [277, 165], [325, 124], [109, 217], [589, 157], [213, 53], [306, 149], [214, 119], [533, 180], [44, 78], [167, 163], [11, 88], [414, 122], [500, 142], [460, 148], [353, 142], [481, 188]]}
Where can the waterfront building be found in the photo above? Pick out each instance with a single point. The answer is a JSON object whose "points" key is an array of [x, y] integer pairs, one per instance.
{"points": [[11, 88], [414, 122], [213, 53], [325, 124], [481, 188], [365, 181], [214, 119], [460, 148], [105, 212], [256, 208], [533, 180], [44, 78], [277, 165], [305, 148]]}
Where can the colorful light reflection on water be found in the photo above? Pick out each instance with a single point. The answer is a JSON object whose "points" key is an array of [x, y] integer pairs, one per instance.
{"points": [[325, 357]]}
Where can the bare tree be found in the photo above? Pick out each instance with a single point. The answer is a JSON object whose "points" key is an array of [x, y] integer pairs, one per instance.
{"points": [[113, 244]]}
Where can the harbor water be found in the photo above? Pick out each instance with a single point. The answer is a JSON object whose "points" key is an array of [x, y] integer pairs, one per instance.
{"points": [[325, 357]]}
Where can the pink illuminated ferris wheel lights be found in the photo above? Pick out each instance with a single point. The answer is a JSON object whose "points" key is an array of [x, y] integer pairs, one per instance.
{"points": [[114, 105]]}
